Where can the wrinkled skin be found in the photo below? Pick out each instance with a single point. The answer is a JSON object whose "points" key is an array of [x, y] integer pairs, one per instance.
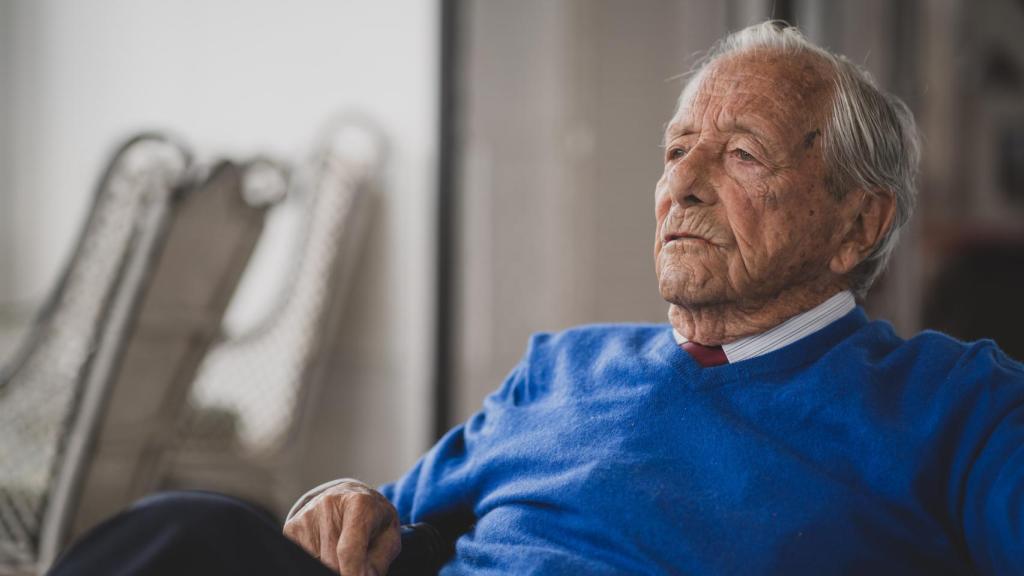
{"points": [[748, 231], [351, 528]]}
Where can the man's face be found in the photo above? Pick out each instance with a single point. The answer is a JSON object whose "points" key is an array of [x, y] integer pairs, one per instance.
{"points": [[743, 210]]}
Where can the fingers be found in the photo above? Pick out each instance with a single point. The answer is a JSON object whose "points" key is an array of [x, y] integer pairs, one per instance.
{"points": [[354, 532], [384, 549], [370, 539], [304, 532], [329, 532], [357, 532]]}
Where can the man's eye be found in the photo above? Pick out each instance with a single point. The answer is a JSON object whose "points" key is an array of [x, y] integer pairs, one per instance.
{"points": [[744, 155], [676, 153]]}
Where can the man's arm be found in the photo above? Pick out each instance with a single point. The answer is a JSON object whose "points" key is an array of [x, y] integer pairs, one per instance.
{"points": [[994, 504], [440, 489], [993, 493]]}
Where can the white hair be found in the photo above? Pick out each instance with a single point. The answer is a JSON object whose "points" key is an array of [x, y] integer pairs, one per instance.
{"points": [[869, 140]]}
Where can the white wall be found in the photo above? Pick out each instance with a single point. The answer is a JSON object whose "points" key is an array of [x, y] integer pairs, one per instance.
{"points": [[239, 78], [5, 212]]}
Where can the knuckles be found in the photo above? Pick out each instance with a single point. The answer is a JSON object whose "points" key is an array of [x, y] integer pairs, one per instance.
{"points": [[336, 502], [355, 502], [326, 514]]}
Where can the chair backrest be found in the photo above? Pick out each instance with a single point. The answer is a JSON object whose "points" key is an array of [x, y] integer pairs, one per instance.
{"points": [[245, 408], [207, 246], [117, 392], [52, 389]]}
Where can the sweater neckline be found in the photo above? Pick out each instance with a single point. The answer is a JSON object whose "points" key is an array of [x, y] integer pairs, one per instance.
{"points": [[799, 353]]}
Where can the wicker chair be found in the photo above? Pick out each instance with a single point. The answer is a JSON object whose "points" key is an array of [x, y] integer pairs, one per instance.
{"points": [[245, 410], [127, 385], [51, 393], [207, 246]]}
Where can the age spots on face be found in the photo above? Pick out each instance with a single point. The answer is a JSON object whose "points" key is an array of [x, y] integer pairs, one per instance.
{"points": [[831, 184], [810, 137]]}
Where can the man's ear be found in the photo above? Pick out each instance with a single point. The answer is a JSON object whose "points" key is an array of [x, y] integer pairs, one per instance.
{"points": [[872, 216]]}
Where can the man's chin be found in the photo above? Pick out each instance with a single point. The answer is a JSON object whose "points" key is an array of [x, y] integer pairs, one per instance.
{"points": [[688, 283], [688, 296]]}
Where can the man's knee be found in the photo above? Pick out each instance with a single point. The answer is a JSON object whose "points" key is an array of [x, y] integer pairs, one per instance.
{"points": [[201, 512], [178, 533]]}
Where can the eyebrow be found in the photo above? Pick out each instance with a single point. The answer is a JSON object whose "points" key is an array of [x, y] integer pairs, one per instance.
{"points": [[675, 130]]}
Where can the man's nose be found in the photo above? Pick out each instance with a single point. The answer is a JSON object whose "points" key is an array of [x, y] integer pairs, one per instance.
{"points": [[691, 178]]}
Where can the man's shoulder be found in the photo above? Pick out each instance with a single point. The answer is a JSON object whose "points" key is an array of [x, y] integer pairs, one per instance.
{"points": [[579, 356], [591, 344], [600, 335], [947, 365], [959, 354]]}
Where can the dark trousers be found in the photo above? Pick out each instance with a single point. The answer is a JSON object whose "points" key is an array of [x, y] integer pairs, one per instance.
{"points": [[188, 534]]}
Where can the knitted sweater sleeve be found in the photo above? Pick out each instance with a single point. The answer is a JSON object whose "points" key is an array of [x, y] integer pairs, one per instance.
{"points": [[993, 503], [443, 486]]}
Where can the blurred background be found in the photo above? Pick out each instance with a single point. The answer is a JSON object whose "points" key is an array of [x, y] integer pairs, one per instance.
{"points": [[516, 193]]}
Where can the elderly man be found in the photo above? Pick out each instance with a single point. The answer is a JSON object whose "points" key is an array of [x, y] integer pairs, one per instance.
{"points": [[771, 428]]}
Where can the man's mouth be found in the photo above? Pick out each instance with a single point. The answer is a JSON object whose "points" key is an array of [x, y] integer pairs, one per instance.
{"points": [[684, 236]]}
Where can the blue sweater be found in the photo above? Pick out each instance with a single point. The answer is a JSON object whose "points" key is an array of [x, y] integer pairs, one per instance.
{"points": [[607, 450]]}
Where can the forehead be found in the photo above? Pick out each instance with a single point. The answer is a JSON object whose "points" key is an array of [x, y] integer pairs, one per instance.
{"points": [[765, 90]]}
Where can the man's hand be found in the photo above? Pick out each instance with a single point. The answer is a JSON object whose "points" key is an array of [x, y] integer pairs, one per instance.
{"points": [[350, 527]]}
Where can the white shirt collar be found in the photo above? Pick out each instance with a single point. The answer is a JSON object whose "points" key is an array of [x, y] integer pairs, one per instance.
{"points": [[797, 327]]}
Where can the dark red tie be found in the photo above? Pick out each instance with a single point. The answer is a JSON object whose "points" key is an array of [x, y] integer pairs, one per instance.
{"points": [[706, 356]]}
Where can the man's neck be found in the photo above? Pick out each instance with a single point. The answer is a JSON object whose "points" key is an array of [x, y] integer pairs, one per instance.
{"points": [[721, 324]]}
